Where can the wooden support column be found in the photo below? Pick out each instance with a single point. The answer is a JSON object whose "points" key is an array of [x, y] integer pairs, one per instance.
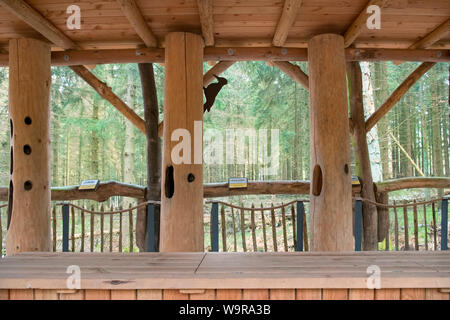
{"points": [[182, 184], [331, 190], [29, 109], [370, 218]]}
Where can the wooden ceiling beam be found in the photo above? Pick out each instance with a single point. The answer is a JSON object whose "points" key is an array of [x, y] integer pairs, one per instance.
{"points": [[434, 36], [205, 10], [287, 19], [359, 24], [106, 93], [398, 94], [137, 20], [294, 72]]}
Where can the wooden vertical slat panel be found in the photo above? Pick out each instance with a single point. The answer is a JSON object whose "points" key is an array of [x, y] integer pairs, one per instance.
{"points": [[209, 294], [406, 225], [283, 221], [123, 294], [149, 294], [211, 223], [1, 232], [82, 231], [253, 226], [130, 217], [335, 294], [174, 294], [54, 228], [274, 229], [244, 243], [4, 294], [21, 294], [294, 234], [387, 294], [412, 294], [435, 294], [282, 294], [305, 232], [229, 294], [78, 295], [308, 294], [72, 211], [416, 227], [224, 229], [94, 294], [42, 294], [433, 209], [120, 230], [234, 230], [255, 294], [425, 225], [102, 227], [92, 229], [395, 227], [263, 222], [361, 294], [111, 230]]}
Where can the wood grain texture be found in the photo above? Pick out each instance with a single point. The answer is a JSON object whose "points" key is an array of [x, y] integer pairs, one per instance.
{"points": [[173, 294], [77, 295], [387, 294], [282, 294], [436, 294], [21, 294], [149, 294], [4, 294], [94, 294], [308, 294], [205, 10], [334, 294], [255, 294], [412, 294], [209, 294], [361, 294], [294, 72], [287, 19], [229, 294], [123, 294]]}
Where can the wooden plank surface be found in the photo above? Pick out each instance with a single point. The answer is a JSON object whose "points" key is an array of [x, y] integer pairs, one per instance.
{"points": [[282, 270]]}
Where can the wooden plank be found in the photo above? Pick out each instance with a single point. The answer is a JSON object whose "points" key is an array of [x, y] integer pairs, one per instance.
{"points": [[102, 227], [396, 227], [93, 294], [255, 294], [208, 294], [72, 227], [283, 221], [412, 294], [406, 226], [229, 294], [77, 295], [137, 20], [21, 294], [433, 209], [361, 294], [173, 294], [224, 229], [294, 234], [40, 294], [83, 232], [288, 15], [234, 230], [395, 97], [120, 231], [149, 294], [205, 10], [253, 226], [387, 294], [244, 241], [305, 232], [309, 294], [130, 225], [274, 229], [334, 294], [123, 294], [294, 72], [416, 227], [359, 24], [4, 294], [54, 224], [282, 294], [92, 229], [436, 294], [434, 36], [111, 228], [425, 226], [263, 222]]}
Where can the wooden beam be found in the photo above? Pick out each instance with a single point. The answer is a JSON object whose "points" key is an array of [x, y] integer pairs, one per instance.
{"points": [[359, 24], [287, 19], [150, 55], [137, 20], [205, 10], [106, 93], [398, 94], [293, 71], [38, 22], [434, 36]]}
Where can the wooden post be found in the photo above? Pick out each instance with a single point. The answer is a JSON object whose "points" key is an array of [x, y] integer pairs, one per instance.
{"points": [[182, 198], [331, 190], [29, 109], [370, 240]]}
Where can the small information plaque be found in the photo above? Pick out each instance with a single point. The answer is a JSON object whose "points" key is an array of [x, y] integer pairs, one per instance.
{"points": [[237, 183], [355, 180], [89, 185]]}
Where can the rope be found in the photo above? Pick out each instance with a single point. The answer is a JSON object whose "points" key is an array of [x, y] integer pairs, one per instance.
{"points": [[3, 205], [256, 209], [108, 212], [388, 206]]}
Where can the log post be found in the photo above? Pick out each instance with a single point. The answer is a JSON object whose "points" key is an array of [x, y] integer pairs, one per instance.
{"points": [[29, 109], [331, 190], [182, 179], [370, 241]]}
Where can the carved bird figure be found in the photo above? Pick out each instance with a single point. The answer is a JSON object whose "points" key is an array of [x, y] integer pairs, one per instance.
{"points": [[212, 91]]}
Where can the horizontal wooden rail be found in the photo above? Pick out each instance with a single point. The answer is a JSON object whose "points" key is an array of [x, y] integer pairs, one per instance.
{"points": [[92, 57], [109, 189]]}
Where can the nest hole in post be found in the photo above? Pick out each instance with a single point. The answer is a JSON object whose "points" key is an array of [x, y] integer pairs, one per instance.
{"points": [[317, 181]]}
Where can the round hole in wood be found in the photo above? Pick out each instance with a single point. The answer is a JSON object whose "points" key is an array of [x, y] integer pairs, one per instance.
{"points": [[27, 121], [28, 185], [27, 149], [317, 181], [346, 168]]}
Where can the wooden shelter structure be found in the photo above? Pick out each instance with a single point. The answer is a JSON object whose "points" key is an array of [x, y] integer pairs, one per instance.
{"points": [[331, 35]]}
